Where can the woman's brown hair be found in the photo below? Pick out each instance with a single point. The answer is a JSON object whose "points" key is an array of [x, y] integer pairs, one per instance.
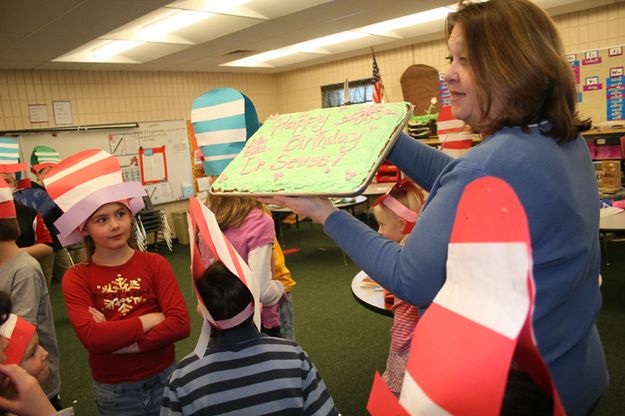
{"points": [[516, 57], [231, 211]]}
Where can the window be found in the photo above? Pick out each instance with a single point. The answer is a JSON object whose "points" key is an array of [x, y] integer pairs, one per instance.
{"points": [[360, 91]]}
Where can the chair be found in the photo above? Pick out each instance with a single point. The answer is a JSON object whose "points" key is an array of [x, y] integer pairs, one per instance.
{"points": [[153, 221]]}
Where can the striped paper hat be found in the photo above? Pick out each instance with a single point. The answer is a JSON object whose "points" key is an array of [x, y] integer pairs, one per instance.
{"points": [[43, 157], [10, 156], [454, 140], [18, 331], [205, 232], [7, 207], [223, 119], [82, 183]]}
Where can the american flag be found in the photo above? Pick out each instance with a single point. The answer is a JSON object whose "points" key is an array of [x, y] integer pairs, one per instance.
{"points": [[378, 86]]}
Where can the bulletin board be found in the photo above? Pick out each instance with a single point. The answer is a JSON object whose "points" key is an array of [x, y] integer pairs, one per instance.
{"points": [[600, 84], [155, 154]]}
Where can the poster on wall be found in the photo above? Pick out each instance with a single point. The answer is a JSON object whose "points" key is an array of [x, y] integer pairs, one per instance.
{"points": [[153, 163]]}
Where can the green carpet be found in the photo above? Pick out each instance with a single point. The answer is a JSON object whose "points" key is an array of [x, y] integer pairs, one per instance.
{"points": [[346, 341]]}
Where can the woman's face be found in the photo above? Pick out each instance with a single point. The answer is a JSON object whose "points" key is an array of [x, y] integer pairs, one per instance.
{"points": [[460, 81]]}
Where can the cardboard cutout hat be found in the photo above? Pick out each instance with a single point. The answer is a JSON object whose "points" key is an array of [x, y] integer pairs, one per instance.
{"points": [[204, 232], [10, 156], [82, 183], [223, 119], [7, 206], [455, 141], [18, 331], [42, 157]]}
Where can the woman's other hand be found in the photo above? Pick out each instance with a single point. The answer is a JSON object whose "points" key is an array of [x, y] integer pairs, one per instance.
{"points": [[316, 208]]}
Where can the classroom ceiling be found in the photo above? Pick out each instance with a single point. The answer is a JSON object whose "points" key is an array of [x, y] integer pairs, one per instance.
{"points": [[34, 32]]}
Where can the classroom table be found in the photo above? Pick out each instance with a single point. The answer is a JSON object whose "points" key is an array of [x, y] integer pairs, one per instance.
{"points": [[611, 223], [370, 297]]}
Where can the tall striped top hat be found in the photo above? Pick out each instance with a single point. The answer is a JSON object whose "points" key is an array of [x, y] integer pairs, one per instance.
{"points": [[82, 183], [223, 119], [454, 140], [10, 156], [7, 207], [43, 157], [18, 331]]}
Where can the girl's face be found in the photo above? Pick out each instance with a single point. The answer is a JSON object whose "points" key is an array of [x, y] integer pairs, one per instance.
{"points": [[464, 104], [110, 226], [389, 225], [35, 360]]}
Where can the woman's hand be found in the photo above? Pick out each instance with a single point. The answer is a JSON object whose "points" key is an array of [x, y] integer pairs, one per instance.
{"points": [[319, 209], [27, 398]]}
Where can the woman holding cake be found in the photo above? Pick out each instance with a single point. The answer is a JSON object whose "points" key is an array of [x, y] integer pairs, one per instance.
{"points": [[509, 81]]}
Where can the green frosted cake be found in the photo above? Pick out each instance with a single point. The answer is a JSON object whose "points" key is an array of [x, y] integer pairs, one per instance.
{"points": [[325, 152]]}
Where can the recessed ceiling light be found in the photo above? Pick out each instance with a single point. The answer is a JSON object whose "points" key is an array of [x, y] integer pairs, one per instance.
{"points": [[112, 48]]}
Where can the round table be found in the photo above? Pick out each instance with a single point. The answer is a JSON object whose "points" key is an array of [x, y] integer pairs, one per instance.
{"points": [[370, 297]]}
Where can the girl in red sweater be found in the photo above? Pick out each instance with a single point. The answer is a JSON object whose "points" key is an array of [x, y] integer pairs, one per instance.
{"points": [[125, 305]]}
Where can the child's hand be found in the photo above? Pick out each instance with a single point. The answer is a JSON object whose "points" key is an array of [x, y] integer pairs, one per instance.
{"points": [[97, 315], [150, 320], [28, 399]]}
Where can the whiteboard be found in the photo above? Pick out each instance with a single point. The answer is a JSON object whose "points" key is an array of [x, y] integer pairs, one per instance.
{"points": [[168, 138]]}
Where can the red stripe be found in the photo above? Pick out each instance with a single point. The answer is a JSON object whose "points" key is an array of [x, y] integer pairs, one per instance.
{"points": [[457, 144], [382, 402], [87, 173], [7, 210], [460, 365]]}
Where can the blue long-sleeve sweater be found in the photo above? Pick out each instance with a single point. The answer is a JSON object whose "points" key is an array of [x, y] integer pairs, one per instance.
{"points": [[556, 185]]}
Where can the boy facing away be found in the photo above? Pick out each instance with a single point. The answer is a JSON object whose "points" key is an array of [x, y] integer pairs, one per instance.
{"points": [[243, 371]]}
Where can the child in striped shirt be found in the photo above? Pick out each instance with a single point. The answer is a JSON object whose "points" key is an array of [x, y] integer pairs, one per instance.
{"points": [[396, 215], [243, 371]]}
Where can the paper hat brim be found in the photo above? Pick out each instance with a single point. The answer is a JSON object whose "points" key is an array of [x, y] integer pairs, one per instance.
{"points": [[69, 224], [7, 206], [19, 332], [12, 167]]}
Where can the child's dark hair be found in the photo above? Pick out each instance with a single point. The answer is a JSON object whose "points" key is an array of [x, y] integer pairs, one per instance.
{"points": [[5, 306], [9, 229], [222, 292]]}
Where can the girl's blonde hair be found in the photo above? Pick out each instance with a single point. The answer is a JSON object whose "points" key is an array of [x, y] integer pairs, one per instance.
{"points": [[231, 211]]}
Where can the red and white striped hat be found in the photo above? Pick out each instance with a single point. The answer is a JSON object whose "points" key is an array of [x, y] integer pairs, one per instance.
{"points": [[82, 183], [203, 228], [7, 207], [18, 331], [454, 140]]}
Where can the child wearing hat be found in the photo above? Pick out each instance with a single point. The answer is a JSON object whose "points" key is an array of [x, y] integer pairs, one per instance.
{"points": [[35, 196], [236, 369], [21, 277], [125, 305], [35, 239]]}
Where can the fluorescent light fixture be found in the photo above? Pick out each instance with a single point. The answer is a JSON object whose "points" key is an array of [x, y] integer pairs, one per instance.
{"points": [[215, 6], [314, 44], [407, 21], [259, 59], [175, 21], [113, 48]]}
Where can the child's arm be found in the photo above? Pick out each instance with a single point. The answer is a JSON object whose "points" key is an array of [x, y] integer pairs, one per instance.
{"points": [[98, 337], [176, 325], [26, 292], [317, 399], [259, 261], [43, 239]]}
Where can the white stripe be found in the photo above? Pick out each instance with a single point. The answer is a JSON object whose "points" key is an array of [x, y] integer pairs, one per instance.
{"points": [[78, 193], [416, 402], [11, 156], [6, 330], [6, 195], [487, 283], [214, 112], [101, 155], [221, 136], [10, 146], [220, 157], [449, 124], [455, 137], [50, 154]]}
